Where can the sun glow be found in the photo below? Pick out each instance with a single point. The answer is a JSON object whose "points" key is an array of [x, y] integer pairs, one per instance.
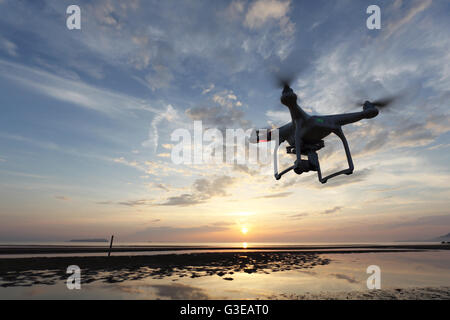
{"points": [[244, 230]]}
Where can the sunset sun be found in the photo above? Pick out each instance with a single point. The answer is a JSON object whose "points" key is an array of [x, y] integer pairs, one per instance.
{"points": [[244, 230]]}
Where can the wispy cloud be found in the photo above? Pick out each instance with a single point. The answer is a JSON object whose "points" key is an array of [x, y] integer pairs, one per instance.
{"points": [[332, 210], [417, 8], [63, 198], [74, 92], [299, 216], [8, 46], [275, 195]]}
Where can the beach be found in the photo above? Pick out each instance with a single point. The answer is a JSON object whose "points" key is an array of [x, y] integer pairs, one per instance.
{"points": [[415, 271]]}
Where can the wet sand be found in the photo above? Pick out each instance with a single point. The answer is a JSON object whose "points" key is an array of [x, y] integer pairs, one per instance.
{"points": [[33, 271], [429, 293], [225, 266]]}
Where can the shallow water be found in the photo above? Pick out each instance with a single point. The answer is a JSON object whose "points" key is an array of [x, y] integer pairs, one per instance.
{"points": [[344, 273]]}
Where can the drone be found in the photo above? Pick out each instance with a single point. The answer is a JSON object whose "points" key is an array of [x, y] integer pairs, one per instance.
{"points": [[305, 134]]}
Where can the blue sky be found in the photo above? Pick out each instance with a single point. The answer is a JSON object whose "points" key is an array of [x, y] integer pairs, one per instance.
{"points": [[86, 118]]}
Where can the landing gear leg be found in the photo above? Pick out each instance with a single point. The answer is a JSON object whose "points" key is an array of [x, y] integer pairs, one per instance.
{"points": [[348, 171], [275, 164]]}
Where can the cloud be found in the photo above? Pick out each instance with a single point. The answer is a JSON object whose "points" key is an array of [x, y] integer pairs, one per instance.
{"points": [[160, 77], [133, 164], [214, 65], [213, 187], [299, 216], [261, 11], [183, 200], [104, 202], [279, 116], [135, 203], [155, 185], [208, 89], [223, 223], [8, 47], [63, 198], [202, 190], [332, 210], [75, 92], [128, 203], [241, 168], [218, 117], [435, 147], [415, 10], [163, 155], [227, 113], [235, 10], [275, 195]]}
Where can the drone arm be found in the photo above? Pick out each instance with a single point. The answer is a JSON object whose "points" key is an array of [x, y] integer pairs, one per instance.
{"points": [[264, 135], [347, 118]]}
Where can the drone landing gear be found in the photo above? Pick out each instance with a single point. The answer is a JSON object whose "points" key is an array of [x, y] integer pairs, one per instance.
{"points": [[347, 171], [312, 164]]}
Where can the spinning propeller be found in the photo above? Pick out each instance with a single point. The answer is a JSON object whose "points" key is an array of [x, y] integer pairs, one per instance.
{"points": [[381, 103]]}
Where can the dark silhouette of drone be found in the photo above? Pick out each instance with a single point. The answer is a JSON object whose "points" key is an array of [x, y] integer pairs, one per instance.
{"points": [[305, 133]]}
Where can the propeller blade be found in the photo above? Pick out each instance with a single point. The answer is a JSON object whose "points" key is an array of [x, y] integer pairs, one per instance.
{"points": [[384, 102], [283, 80], [380, 103]]}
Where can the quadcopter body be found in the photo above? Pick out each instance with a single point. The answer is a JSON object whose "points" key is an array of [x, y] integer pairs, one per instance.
{"points": [[305, 134]]}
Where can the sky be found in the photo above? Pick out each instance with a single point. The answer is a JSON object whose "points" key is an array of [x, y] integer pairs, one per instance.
{"points": [[86, 118]]}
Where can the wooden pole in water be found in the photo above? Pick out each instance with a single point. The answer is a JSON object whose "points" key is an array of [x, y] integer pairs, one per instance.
{"points": [[110, 245]]}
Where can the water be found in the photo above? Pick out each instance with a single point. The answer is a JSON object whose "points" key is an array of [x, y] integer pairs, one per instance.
{"points": [[344, 273]]}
